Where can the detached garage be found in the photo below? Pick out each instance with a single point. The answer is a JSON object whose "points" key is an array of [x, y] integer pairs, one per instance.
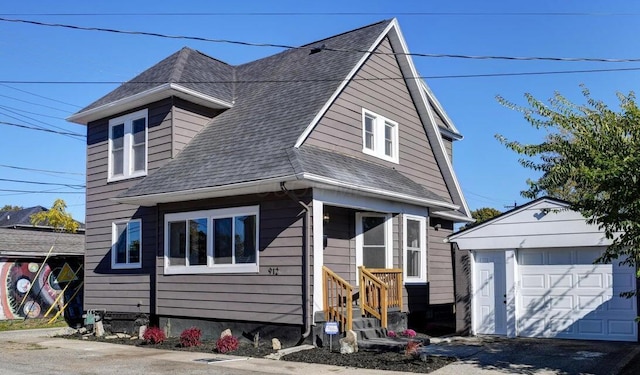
{"points": [[530, 273]]}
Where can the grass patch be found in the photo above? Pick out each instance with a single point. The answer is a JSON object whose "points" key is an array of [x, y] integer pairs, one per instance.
{"points": [[20, 324]]}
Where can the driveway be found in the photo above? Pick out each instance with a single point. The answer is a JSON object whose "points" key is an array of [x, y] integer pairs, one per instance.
{"points": [[489, 355]]}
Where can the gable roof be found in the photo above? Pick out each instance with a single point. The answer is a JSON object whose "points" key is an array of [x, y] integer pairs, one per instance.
{"points": [[275, 103], [541, 223]]}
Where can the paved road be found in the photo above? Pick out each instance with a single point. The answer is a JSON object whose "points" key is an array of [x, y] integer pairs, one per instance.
{"points": [[35, 352]]}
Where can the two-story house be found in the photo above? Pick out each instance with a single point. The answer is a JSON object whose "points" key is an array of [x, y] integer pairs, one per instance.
{"points": [[248, 196]]}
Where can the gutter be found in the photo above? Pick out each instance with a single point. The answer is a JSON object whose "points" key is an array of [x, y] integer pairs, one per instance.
{"points": [[306, 259]]}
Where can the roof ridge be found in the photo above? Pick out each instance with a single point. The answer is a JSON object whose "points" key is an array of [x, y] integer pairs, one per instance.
{"points": [[181, 63]]}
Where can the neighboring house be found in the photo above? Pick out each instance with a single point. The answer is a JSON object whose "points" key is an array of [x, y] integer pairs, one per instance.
{"points": [[31, 259], [530, 272], [217, 193]]}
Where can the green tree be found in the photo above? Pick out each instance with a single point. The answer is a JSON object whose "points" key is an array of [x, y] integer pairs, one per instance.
{"points": [[8, 207], [591, 158], [56, 217], [481, 215]]}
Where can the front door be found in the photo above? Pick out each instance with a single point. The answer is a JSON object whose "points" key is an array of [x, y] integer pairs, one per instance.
{"points": [[490, 293], [373, 240]]}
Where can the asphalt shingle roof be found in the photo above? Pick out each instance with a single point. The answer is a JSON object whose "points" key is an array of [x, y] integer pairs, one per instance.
{"points": [[277, 97], [23, 242], [22, 218]]}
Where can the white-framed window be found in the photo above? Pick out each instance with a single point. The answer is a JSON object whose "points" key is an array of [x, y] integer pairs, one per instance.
{"points": [[374, 240], [414, 229], [126, 248], [128, 146], [212, 241], [379, 136]]}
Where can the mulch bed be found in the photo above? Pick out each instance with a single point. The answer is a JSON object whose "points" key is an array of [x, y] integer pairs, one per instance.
{"points": [[363, 359]]}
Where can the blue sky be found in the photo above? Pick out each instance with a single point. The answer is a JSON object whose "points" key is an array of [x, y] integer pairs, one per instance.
{"points": [[489, 174]]}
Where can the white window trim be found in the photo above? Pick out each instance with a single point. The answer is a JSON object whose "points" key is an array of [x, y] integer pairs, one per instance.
{"points": [[212, 268], [114, 240], [423, 249], [388, 230], [127, 120], [378, 137]]}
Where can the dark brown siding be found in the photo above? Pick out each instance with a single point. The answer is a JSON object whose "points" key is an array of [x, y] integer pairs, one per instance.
{"points": [[274, 296], [188, 120], [439, 262], [120, 290], [340, 129], [340, 253]]}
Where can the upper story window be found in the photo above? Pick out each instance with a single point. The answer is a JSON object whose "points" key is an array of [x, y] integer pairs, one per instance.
{"points": [[379, 136], [128, 146], [213, 241], [126, 244]]}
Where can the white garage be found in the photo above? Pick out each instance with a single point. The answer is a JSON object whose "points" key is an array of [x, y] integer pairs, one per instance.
{"points": [[532, 275]]}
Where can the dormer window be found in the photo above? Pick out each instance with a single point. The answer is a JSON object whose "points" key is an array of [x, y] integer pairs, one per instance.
{"points": [[128, 146], [379, 136]]}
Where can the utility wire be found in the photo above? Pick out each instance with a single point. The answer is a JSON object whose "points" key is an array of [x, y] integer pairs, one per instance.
{"points": [[251, 44], [31, 113], [481, 75], [40, 96], [72, 186], [41, 191], [37, 126], [38, 104], [41, 129], [279, 14], [40, 170]]}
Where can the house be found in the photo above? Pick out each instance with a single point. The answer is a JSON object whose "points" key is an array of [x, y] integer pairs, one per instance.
{"points": [[248, 196], [530, 272], [32, 258]]}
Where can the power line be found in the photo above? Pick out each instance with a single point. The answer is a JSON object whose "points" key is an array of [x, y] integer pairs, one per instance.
{"points": [[280, 14], [40, 96], [41, 129], [41, 191], [32, 113], [38, 104], [41, 170], [251, 44], [449, 76], [72, 186], [36, 126]]}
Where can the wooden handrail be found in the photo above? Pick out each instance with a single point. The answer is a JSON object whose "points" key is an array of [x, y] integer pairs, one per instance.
{"points": [[338, 299], [373, 296], [392, 277]]}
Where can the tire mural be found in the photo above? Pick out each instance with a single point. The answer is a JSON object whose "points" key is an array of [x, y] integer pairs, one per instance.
{"points": [[27, 293]]}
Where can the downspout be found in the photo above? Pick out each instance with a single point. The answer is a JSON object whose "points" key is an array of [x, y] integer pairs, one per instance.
{"points": [[306, 259]]}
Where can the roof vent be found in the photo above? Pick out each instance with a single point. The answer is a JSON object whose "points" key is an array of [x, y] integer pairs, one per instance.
{"points": [[317, 49]]}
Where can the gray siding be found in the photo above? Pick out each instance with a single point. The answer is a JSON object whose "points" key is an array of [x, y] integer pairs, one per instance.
{"points": [[448, 145], [439, 262], [341, 127], [340, 252], [188, 120], [120, 290], [264, 296]]}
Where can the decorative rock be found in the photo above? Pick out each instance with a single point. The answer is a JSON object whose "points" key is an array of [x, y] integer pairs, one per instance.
{"points": [[275, 344], [98, 329], [141, 330], [133, 338], [122, 335], [225, 333], [349, 344], [82, 330], [111, 337]]}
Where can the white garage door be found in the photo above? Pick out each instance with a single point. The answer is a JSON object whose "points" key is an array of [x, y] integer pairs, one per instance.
{"points": [[563, 294]]}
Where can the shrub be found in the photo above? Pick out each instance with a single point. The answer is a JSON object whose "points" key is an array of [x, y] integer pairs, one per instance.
{"points": [[227, 344], [392, 334], [409, 333], [190, 337], [154, 335], [411, 350]]}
